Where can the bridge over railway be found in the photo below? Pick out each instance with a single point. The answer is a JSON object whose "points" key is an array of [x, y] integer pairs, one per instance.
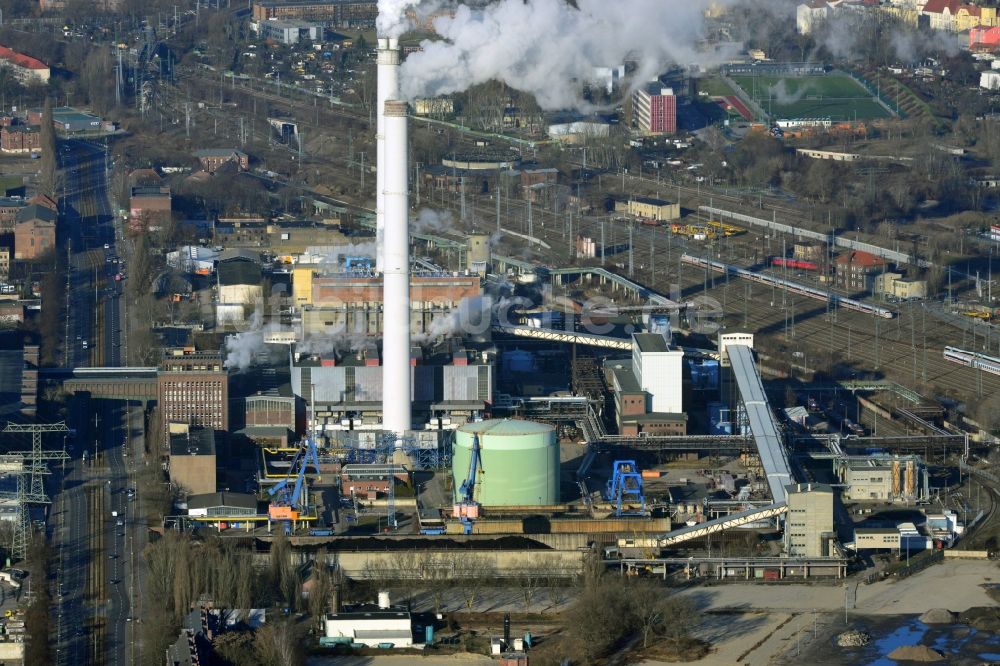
{"points": [[123, 383]]}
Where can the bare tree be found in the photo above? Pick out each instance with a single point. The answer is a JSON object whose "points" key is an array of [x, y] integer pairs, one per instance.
{"points": [[649, 607], [472, 572], [322, 585], [377, 574], [48, 177], [280, 644], [437, 579], [530, 580]]}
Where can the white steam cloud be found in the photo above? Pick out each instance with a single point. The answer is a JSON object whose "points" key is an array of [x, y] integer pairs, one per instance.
{"points": [[391, 21], [332, 341], [549, 48], [473, 315], [432, 222], [243, 347], [780, 93]]}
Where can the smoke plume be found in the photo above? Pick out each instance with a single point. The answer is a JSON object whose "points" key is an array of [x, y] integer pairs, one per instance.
{"points": [[549, 47]]}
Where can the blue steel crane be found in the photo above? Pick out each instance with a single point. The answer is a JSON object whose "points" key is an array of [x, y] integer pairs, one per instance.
{"points": [[467, 508], [288, 501], [625, 487]]}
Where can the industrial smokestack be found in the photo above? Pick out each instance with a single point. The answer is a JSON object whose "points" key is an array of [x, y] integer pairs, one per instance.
{"points": [[396, 415], [387, 87]]}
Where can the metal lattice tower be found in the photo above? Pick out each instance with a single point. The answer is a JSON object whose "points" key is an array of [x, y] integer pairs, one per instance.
{"points": [[15, 463], [37, 454], [30, 467]]}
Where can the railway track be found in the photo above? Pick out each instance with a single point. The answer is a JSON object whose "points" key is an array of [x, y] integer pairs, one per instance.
{"points": [[97, 591], [893, 348]]}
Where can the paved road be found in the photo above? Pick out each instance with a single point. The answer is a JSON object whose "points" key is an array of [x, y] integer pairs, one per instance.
{"points": [[89, 221]]}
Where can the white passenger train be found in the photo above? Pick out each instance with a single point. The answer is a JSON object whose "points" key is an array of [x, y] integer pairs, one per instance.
{"points": [[990, 364], [792, 287]]}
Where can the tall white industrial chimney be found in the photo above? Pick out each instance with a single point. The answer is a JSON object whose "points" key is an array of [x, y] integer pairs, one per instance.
{"points": [[387, 88], [396, 371]]}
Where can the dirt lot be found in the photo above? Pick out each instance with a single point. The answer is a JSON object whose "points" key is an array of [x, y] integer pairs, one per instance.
{"points": [[768, 621]]}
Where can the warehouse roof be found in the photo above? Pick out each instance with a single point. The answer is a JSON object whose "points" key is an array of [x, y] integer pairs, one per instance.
{"points": [[655, 417], [239, 253], [651, 342], [238, 272], [219, 152], [36, 212], [624, 375], [195, 442], [236, 500], [649, 201], [876, 530]]}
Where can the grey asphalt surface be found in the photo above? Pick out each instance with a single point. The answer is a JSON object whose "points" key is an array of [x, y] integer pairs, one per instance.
{"points": [[89, 221]]}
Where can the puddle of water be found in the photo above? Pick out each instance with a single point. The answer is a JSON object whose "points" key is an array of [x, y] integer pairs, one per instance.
{"points": [[990, 656], [908, 634], [953, 640]]}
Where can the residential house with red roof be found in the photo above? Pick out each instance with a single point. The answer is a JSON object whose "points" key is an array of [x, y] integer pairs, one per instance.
{"points": [[856, 270], [25, 68], [954, 16]]}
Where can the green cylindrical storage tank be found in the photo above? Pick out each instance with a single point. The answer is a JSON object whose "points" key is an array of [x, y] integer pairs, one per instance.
{"points": [[520, 462]]}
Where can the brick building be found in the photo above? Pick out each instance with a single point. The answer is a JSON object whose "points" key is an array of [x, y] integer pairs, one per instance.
{"points": [[20, 139], [4, 263], [9, 208], [193, 388], [34, 232], [45, 201], [149, 206], [654, 109], [351, 13], [353, 302], [213, 158], [273, 408], [856, 270]]}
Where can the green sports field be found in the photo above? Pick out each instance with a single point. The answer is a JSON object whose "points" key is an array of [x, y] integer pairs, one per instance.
{"points": [[833, 96]]}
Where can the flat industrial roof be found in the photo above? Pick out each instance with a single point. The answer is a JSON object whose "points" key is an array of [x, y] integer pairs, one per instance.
{"points": [[762, 425], [651, 342]]}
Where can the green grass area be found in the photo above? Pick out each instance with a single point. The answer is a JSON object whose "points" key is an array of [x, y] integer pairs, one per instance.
{"points": [[715, 87], [832, 96]]}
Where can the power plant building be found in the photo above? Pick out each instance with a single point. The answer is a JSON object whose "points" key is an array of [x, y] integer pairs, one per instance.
{"points": [[354, 303], [193, 388], [658, 371], [887, 478], [446, 388], [809, 527], [519, 462], [648, 388]]}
